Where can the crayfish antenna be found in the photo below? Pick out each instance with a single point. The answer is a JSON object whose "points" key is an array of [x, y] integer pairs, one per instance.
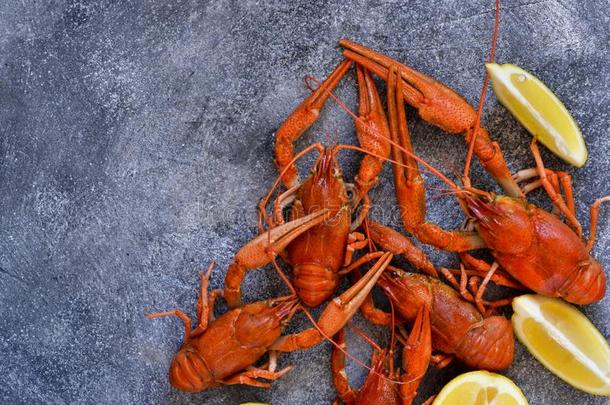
{"points": [[477, 124], [427, 165], [366, 338], [262, 205]]}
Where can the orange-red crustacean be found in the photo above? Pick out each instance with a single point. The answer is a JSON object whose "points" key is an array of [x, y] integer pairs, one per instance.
{"points": [[318, 255], [223, 351], [532, 245], [458, 328]]}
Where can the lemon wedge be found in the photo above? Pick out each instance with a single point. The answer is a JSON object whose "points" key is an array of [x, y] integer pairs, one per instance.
{"points": [[480, 388], [539, 111], [565, 341]]}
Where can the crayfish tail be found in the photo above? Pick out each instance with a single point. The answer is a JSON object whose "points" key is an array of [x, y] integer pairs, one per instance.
{"points": [[489, 345], [314, 283]]}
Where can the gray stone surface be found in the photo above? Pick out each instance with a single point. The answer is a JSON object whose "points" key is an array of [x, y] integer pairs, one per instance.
{"points": [[136, 139]]}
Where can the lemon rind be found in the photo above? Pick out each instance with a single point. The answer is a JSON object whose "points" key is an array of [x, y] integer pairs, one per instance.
{"points": [[503, 384], [563, 150], [525, 305]]}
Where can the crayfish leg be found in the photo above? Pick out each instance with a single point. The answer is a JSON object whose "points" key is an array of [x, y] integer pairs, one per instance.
{"points": [[416, 355], [205, 307], [552, 192], [337, 364], [249, 377], [300, 120], [176, 312], [441, 360], [594, 213], [260, 251]]}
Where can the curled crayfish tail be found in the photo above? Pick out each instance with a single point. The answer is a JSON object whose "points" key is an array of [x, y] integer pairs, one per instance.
{"points": [[488, 345]]}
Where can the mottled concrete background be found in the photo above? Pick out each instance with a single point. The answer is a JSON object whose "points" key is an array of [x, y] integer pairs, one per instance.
{"points": [[136, 139]]}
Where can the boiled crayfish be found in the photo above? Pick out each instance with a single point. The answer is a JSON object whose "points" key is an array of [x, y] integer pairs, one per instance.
{"points": [[223, 351], [319, 255], [535, 247], [532, 248]]}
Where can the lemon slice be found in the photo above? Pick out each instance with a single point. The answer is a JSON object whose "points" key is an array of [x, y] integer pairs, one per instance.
{"points": [[565, 341], [480, 388], [539, 111]]}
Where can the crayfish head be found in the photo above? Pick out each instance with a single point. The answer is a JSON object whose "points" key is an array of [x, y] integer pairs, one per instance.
{"points": [[376, 388], [503, 222], [327, 170], [261, 323], [408, 291], [325, 187]]}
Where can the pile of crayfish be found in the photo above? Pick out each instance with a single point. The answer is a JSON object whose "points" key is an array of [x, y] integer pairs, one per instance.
{"points": [[319, 227]]}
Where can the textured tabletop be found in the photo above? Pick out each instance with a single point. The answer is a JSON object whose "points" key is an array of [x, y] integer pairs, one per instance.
{"points": [[136, 139]]}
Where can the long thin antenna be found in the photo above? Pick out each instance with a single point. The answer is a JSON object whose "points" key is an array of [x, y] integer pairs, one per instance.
{"points": [[359, 362], [427, 165], [477, 122], [265, 200], [364, 336]]}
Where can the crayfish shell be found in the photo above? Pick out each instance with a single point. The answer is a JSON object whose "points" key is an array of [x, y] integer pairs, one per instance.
{"points": [[488, 345]]}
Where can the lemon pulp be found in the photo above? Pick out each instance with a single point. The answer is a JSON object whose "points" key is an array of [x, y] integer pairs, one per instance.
{"points": [[564, 341], [539, 111], [480, 388]]}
